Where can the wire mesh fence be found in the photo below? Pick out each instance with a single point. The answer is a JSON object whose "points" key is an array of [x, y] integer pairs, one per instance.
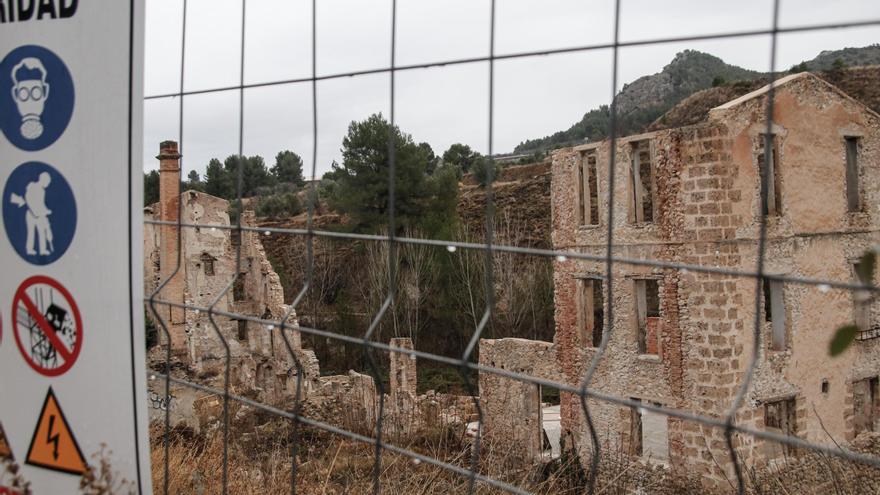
{"points": [[286, 327]]}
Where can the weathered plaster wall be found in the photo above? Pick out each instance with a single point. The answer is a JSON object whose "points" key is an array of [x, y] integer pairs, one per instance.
{"points": [[814, 237]]}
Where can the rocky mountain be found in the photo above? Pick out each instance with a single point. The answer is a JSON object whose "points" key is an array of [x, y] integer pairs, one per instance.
{"points": [[858, 82], [849, 57], [646, 99], [689, 71]]}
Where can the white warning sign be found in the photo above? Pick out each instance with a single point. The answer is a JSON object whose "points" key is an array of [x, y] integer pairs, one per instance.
{"points": [[72, 342]]}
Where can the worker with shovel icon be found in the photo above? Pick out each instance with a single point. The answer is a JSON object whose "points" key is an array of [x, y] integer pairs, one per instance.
{"points": [[37, 215], [39, 212]]}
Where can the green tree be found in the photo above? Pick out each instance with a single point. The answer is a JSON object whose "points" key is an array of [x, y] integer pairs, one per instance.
{"points": [[329, 183], [254, 174], [194, 182], [151, 187], [361, 190], [218, 181], [281, 204], [481, 170], [801, 67], [462, 156], [441, 218], [288, 168], [431, 158], [221, 180]]}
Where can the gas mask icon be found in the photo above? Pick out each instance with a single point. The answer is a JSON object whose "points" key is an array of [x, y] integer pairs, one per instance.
{"points": [[30, 92]]}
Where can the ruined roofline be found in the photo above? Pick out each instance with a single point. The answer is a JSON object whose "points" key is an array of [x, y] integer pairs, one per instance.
{"points": [[204, 195], [759, 92], [625, 139], [154, 208], [621, 139], [722, 109]]}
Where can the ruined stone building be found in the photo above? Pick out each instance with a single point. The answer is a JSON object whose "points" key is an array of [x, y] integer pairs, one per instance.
{"points": [[207, 265], [683, 339], [260, 364]]}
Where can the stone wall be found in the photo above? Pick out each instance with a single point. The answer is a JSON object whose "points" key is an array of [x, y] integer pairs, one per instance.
{"points": [[706, 204], [403, 370], [512, 408]]}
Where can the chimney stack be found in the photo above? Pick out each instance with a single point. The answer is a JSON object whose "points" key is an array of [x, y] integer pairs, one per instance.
{"points": [[169, 180], [169, 204]]}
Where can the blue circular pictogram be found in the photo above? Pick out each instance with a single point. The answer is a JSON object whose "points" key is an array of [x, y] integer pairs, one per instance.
{"points": [[39, 212], [36, 97]]}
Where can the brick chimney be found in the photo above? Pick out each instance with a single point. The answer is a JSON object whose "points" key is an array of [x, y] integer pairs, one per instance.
{"points": [[169, 180], [169, 202]]}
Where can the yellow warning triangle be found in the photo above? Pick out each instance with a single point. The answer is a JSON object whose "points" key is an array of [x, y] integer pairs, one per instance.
{"points": [[53, 445], [5, 451]]}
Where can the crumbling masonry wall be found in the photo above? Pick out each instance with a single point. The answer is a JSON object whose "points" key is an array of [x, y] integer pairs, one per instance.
{"points": [[403, 370], [707, 213], [512, 408], [208, 264]]}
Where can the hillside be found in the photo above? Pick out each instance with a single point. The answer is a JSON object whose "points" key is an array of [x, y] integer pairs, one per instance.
{"points": [[695, 108], [858, 82], [648, 98], [850, 57], [522, 198], [345, 272], [862, 83]]}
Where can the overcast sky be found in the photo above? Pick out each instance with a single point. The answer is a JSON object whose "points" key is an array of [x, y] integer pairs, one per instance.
{"points": [[534, 96]]}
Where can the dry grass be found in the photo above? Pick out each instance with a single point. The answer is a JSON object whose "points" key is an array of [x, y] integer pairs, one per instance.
{"points": [[813, 474], [259, 462]]}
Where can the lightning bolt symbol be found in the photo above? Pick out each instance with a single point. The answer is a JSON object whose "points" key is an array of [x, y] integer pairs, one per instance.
{"points": [[53, 439]]}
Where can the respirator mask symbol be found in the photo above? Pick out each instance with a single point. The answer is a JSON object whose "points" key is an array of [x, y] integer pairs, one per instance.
{"points": [[30, 92]]}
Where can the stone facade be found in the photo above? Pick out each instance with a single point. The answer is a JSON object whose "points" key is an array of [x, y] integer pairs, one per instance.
{"points": [[203, 273], [683, 339]]}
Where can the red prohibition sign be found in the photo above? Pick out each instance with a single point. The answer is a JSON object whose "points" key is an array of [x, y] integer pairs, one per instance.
{"points": [[47, 325]]}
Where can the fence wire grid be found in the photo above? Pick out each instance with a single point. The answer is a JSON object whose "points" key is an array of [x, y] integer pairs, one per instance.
{"points": [[464, 363]]}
